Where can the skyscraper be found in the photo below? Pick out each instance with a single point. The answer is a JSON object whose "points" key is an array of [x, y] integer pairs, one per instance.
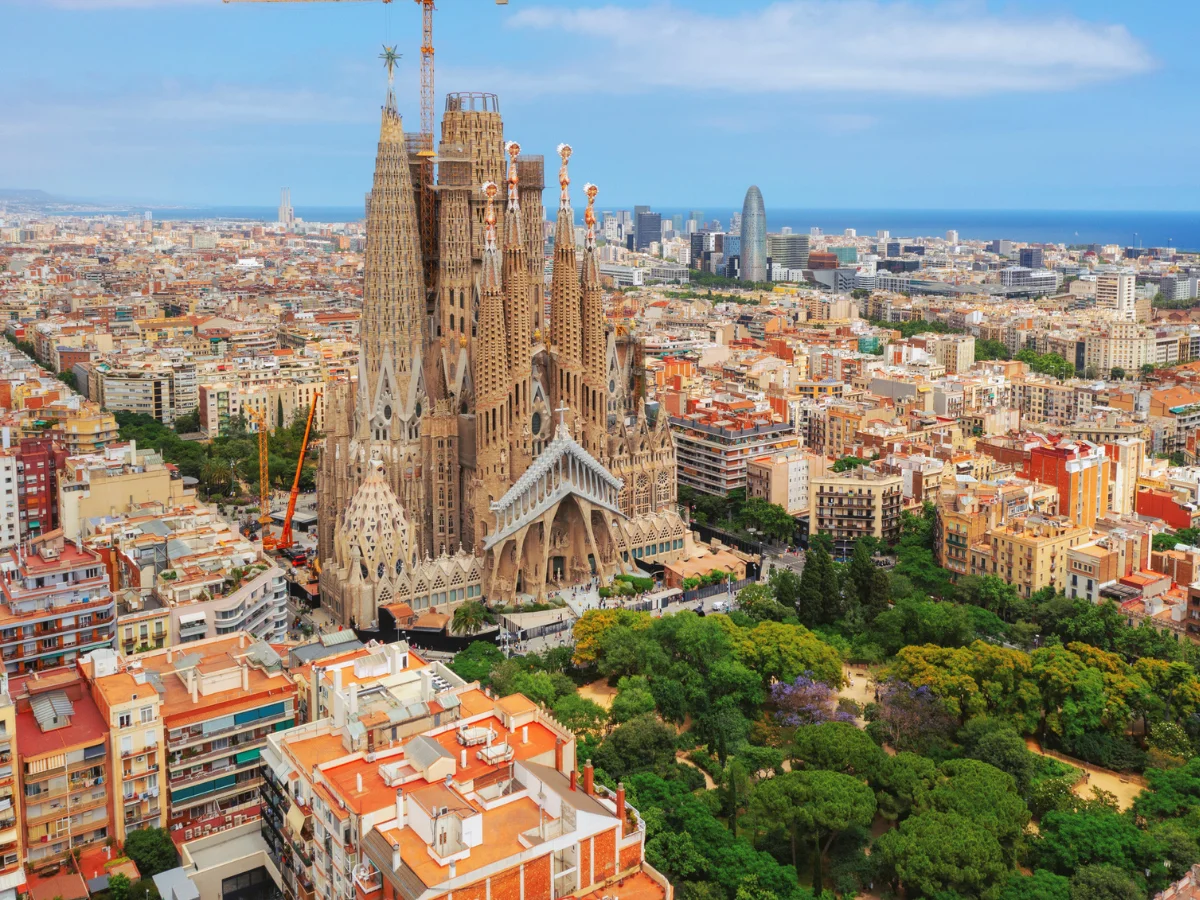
{"points": [[754, 236], [287, 218], [648, 230]]}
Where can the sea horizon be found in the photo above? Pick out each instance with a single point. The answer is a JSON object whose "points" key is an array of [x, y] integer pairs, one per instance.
{"points": [[1127, 228]]}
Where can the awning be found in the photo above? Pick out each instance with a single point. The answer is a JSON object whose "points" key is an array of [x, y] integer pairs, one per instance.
{"points": [[295, 820], [189, 618]]}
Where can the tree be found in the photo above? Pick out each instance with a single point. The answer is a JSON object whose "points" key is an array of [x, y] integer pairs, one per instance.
{"points": [[1070, 840], [118, 886], [1117, 374], [1147, 369], [846, 463], [477, 661], [840, 747], [783, 652], [1041, 885], [986, 349], [68, 378], [757, 602], [470, 618], [638, 745], [983, 794], [908, 717], [1104, 883], [770, 519], [152, 851], [806, 702], [997, 743], [592, 625], [188, 423], [580, 715], [633, 699], [934, 851], [818, 600]]}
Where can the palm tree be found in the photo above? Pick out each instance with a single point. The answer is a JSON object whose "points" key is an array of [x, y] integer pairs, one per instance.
{"points": [[470, 618]]}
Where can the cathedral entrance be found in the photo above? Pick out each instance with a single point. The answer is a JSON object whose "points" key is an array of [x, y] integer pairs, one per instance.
{"points": [[558, 567]]}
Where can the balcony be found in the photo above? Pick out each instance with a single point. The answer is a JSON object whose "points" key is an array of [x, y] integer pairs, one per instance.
{"points": [[191, 738]]}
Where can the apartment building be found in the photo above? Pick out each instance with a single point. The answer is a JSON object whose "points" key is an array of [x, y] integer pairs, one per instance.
{"points": [[64, 766], [115, 480], [1098, 564], [131, 707], [1120, 345], [77, 426], [281, 402], [56, 604], [965, 511], [10, 507], [221, 698], [713, 449], [783, 478], [954, 351], [1029, 552], [161, 388], [1081, 472], [855, 504], [1117, 291], [12, 872]]}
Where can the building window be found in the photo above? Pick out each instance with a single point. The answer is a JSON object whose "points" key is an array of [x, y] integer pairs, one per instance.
{"points": [[124, 720]]}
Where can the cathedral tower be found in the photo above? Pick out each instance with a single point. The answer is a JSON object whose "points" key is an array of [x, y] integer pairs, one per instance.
{"points": [[595, 396], [492, 379], [566, 331], [520, 336]]}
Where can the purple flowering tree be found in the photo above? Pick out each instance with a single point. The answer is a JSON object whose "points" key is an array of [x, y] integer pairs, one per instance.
{"points": [[806, 701], [909, 717]]}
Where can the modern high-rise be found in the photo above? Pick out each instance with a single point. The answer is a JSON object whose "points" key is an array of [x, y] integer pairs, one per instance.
{"points": [[648, 231], [788, 251], [1115, 290], [1032, 257], [754, 236], [287, 216]]}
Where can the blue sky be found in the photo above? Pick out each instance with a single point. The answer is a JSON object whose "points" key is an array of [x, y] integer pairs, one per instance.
{"points": [[1079, 104]]}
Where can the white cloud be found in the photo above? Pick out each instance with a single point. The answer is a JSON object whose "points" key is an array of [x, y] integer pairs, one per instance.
{"points": [[792, 46]]}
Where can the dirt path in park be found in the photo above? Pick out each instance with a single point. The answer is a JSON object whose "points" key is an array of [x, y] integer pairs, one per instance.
{"points": [[1124, 787], [681, 757], [599, 692]]}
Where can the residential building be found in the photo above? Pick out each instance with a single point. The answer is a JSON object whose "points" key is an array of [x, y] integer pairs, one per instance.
{"points": [[1117, 291], [1080, 471], [116, 480], [221, 699], [12, 872], [56, 606], [783, 478], [1029, 552], [63, 764], [714, 448], [131, 706], [854, 504]]}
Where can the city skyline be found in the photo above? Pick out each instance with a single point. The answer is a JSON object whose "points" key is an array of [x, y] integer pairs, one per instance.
{"points": [[221, 103]]}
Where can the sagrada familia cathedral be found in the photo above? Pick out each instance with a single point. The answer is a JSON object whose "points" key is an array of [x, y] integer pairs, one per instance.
{"points": [[491, 448]]}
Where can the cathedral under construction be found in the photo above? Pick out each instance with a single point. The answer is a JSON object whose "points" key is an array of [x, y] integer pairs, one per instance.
{"points": [[492, 448]]}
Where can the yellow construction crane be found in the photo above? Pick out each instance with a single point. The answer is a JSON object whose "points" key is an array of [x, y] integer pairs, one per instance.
{"points": [[264, 481]]}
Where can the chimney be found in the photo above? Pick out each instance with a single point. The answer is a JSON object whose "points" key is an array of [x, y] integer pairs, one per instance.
{"points": [[620, 810], [558, 754], [195, 686], [400, 807], [354, 699], [337, 679], [453, 869], [241, 640], [463, 765], [339, 711], [245, 678], [170, 654], [358, 783], [574, 780], [395, 857], [588, 777], [524, 734]]}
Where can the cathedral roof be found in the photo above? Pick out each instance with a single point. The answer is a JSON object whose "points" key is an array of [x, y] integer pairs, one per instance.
{"points": [[522, 500]]}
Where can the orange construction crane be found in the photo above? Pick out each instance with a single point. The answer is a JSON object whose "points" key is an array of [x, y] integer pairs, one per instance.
{"points": [[285, 536]]}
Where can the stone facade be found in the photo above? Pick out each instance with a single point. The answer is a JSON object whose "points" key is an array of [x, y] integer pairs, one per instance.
{"points": [[486, 451]]}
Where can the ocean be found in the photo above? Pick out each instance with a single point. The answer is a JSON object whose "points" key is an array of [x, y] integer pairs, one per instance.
{"points": [[1125, 227]]}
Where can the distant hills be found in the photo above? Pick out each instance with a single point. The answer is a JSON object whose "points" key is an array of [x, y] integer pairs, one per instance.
{"points": [[28, 195]]}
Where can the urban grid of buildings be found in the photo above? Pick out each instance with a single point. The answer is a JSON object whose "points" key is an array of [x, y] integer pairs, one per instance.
{"points": [[509, 406]]}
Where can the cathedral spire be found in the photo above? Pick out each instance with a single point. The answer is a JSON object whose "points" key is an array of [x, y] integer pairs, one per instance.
{"points": [[519, 320], [393, 316], [594, 394]]}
